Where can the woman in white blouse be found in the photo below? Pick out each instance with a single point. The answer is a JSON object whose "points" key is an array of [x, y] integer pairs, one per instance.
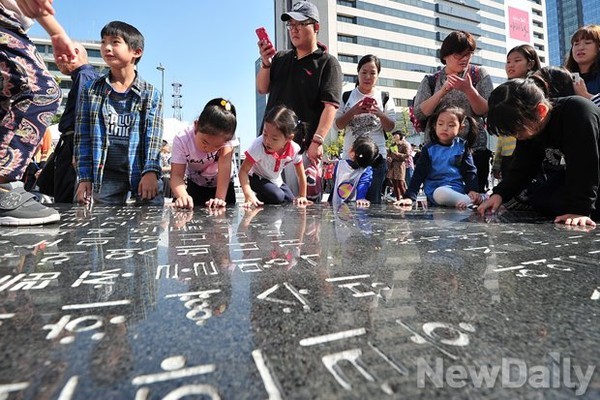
{"points": [[368, 111]]}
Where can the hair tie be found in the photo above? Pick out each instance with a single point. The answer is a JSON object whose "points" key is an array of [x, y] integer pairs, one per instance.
{"points": [[226, 105], [360, 156], [298, 123]]}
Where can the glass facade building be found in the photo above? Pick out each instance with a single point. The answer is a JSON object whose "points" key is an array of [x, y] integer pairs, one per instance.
{"points": [[564, 18]]}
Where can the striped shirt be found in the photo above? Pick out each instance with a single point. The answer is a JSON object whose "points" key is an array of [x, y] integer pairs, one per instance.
{"points": [[504, 148]]}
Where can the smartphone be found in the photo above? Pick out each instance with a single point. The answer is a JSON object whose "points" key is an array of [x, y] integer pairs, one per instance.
{"points": [[263, 35], [576, 77], [368, 101]]}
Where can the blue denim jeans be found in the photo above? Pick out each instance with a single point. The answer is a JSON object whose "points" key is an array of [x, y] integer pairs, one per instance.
{"points": [[374, 193], [409, 174], [117, 192]]}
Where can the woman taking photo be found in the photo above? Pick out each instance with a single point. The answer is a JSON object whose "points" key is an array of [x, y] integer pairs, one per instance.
{"points": [[584, 59], [463, 85], [368, 112]]}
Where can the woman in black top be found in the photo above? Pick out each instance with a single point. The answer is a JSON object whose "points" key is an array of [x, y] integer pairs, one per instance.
{"points": [[557, 154]]}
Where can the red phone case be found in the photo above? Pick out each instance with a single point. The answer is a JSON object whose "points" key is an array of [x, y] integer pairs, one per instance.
{"points": [[262, 34], [368, 101]]}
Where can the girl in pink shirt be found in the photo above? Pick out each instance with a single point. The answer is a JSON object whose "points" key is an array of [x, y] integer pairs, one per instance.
{"points": [[201, 170]]}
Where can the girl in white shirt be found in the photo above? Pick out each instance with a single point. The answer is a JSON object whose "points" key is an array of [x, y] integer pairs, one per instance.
{"points": [[260, 174], [203, 153]]}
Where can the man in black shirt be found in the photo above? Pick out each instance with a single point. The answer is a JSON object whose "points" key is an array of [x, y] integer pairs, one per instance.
{"points": [[306, 79]]}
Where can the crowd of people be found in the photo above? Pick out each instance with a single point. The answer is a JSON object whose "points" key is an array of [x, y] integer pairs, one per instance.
{"points": [[111, 148]]}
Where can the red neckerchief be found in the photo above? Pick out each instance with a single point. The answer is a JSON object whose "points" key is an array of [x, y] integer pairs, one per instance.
{"points": [[288, 151]]}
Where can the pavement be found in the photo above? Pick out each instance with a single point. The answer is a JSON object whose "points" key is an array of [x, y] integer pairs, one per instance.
{"points": [[298, 303]]}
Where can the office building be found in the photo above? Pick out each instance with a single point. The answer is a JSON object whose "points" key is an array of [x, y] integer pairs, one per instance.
{"points": [[564, 18]]}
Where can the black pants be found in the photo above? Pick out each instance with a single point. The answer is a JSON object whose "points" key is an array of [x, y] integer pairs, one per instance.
{"points": [[201, 194], [481, 158], [269, 193], [58, 177]]}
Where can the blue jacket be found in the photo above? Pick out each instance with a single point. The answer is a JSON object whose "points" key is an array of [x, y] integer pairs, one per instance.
{"points": [[441, 165]]}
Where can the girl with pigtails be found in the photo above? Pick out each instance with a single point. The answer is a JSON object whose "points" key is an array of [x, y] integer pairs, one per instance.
{"points": [[445, 167]]}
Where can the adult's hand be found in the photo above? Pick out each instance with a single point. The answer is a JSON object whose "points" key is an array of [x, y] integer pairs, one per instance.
{"points": [[267, 51], [575, 220], [492, 204], [63, 48], [36, 8], [458, 83], [315, 153], [581, 89]]}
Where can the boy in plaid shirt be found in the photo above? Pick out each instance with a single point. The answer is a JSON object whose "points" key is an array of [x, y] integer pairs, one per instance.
{"points": [[119, 127]]}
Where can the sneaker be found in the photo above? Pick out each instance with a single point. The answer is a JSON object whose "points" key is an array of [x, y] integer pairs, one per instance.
{"points": [[389, 198], [19, 207]]}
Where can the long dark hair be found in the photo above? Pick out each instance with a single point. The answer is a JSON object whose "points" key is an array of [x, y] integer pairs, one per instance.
{"points": [[457, 42], [554, 81], [286, 121], [587, 32], [365, 151], [513, 107], [530, 55], [218, 118]]}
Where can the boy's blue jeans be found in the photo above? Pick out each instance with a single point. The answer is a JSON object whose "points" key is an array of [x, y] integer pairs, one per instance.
{"points": [[117, 193]]}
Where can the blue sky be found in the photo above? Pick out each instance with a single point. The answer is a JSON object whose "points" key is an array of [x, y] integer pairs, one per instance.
{"points": [[209, 46]]}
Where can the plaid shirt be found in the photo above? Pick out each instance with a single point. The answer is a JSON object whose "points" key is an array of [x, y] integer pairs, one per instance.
{"points": [[91, 139]]}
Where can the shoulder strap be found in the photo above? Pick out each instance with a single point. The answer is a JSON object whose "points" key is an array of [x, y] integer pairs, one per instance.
{"points": [[385, 96], [475, 75], [432, 78], [346, 96]]}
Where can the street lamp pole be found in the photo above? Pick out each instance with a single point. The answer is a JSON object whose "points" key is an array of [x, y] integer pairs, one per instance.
{"points": [[161, 68]]}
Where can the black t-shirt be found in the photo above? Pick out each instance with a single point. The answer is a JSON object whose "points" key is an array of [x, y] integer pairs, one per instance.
{"points": [[303, 85], [570, 140]]}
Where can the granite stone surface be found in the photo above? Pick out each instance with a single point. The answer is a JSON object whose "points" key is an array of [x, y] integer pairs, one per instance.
{"points": [[298, 303]]}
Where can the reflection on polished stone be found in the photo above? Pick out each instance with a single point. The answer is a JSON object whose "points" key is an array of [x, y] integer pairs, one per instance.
{"points": [[288, 302]]}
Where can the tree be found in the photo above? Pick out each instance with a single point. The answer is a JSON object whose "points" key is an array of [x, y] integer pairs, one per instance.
{"points": [[333, 149], [403, 123]]}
